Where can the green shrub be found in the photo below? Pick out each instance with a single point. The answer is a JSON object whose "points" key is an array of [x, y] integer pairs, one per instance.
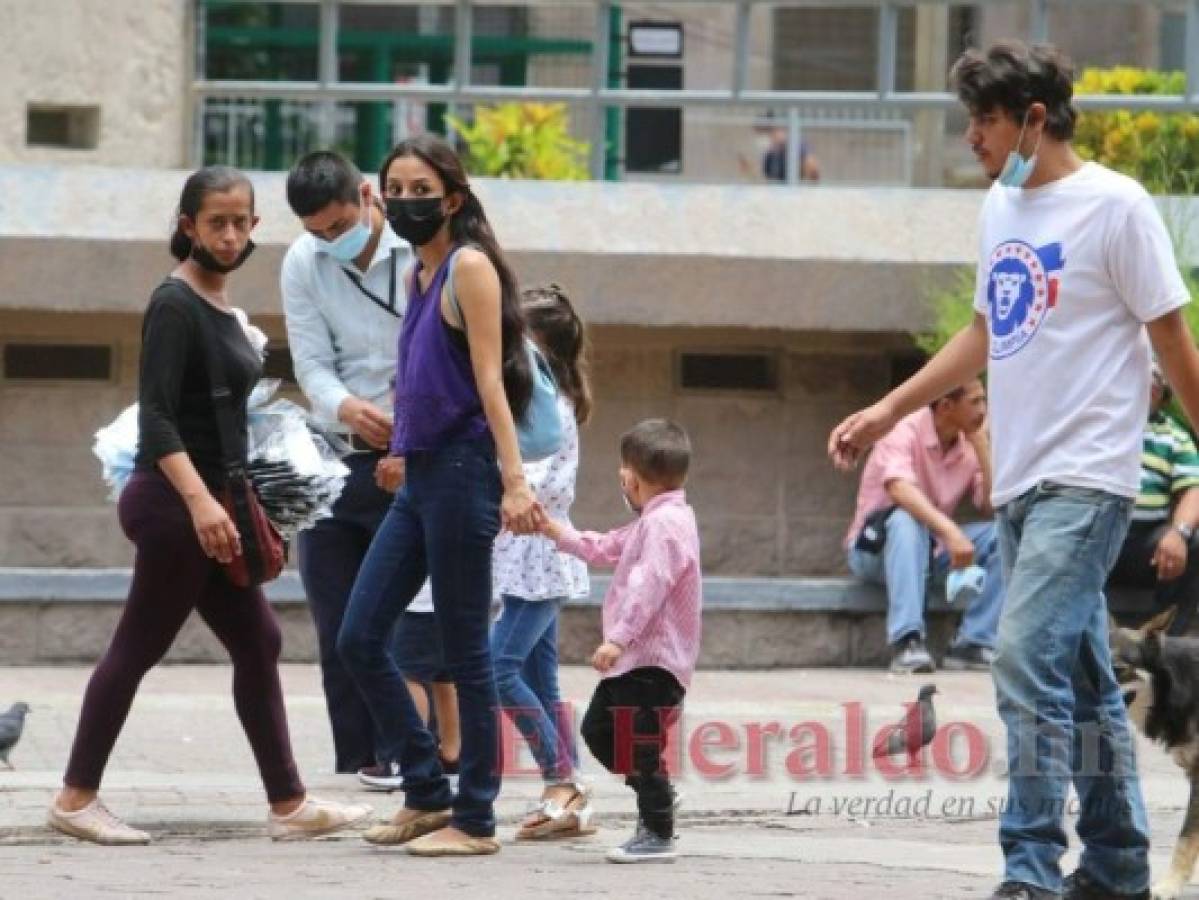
{"points": [[523, 140]]}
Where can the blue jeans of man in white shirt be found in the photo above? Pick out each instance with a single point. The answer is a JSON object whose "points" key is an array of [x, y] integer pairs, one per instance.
{"points": [[904, 567], [1058, 697]]}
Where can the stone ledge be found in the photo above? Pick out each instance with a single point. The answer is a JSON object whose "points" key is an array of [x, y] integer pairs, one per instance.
{"points": [[66, 616], [722, 592]]}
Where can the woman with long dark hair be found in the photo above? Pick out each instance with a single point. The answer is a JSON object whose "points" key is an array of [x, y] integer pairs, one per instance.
{"points": [[183, 534], [462, 383]]}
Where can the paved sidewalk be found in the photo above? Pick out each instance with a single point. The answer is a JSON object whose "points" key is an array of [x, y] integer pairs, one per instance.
{"points": [[183, 771]]}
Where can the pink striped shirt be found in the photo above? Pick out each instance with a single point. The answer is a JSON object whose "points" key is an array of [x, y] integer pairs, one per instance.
{"points": [[652, 608]]}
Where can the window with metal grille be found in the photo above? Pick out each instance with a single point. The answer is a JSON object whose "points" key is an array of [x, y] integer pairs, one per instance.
{"points": [[752, 372], [58, 362]]}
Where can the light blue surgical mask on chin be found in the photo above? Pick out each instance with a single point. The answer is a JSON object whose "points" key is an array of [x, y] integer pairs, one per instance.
{"points": [[348, 245], [1017, 170]]}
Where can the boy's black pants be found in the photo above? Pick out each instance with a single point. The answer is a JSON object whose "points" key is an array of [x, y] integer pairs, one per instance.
{"points": [[625, 728]]}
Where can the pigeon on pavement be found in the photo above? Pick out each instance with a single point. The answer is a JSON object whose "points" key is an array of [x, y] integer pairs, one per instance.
{"points": [[914, 731], [12, 723]]}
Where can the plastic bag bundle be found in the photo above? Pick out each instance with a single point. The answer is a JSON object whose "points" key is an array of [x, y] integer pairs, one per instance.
{"points": [[296, 468], [115, 447], [297, 472]]}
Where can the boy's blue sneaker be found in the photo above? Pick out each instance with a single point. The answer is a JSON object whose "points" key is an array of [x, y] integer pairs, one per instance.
{"points": [[644, 847]]}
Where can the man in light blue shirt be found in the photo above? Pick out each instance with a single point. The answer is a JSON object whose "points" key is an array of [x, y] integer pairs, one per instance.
{"points": [[344, 300]]}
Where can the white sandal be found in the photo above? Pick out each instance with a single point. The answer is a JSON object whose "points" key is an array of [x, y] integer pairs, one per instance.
{"points": [[566, 820]]}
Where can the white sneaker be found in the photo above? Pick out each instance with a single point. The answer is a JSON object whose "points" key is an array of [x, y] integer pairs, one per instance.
{"points": [[94, 823], [381, 778], [314, 818]]}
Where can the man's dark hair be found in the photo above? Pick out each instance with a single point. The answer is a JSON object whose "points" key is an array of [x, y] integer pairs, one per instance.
{"points": [[319, 179], [659, 451], [1011, 76], [956, 394]]}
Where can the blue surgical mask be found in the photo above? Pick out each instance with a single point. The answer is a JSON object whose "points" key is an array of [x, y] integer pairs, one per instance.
{"points": [[1017, 170], [349, 245]]}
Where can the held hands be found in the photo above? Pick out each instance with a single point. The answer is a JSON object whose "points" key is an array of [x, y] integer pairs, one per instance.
{"points": [[551, 529], [853, 437], [1170, 557], [389, 473], [216, 531], [520, 512], [605, 656], [367, 421]]}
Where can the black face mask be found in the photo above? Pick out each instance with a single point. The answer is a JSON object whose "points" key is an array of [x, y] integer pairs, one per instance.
{"points": [[205, 260], [416, 219]]}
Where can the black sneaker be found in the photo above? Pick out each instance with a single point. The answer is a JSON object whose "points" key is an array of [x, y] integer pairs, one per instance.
{"points": [[644, 847], [911, 655], [968, 657], [1018, 890], [1080, 886]]}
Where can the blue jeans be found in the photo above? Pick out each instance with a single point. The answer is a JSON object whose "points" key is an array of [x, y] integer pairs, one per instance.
{"points": [[524, 650], [904, 567], [1058, 697], [330, 554], [443, 522]]}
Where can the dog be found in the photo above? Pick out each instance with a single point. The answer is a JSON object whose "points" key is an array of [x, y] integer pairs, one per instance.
{"points": [[1159, 679]]}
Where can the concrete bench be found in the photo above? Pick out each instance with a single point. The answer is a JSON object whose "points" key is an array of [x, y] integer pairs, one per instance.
{"points": [[61, 616]]}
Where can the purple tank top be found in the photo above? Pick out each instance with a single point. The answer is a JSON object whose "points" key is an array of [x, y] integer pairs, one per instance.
{"points": [[436, 399]]}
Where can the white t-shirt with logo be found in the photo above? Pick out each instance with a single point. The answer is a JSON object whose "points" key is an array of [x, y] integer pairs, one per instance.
{"points": [[1068, 275]]}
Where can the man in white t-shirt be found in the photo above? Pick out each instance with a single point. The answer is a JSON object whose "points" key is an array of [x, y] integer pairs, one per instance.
{"points": [[1076, 280]]}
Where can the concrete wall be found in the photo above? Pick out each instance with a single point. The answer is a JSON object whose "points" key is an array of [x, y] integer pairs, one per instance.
{"points": [[828, 281], [635, 254], [131, 59], [768, 502]]}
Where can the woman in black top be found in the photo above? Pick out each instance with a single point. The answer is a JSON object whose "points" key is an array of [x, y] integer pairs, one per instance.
{"points": [[182, 532]]}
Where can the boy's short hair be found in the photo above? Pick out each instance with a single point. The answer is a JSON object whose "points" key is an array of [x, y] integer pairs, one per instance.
{"points": [[321, 178], [659, 451], [1011, 76]]}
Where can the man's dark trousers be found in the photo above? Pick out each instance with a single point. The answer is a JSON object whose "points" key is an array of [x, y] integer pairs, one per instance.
{"points": [[330, 554], [1135, 569]]}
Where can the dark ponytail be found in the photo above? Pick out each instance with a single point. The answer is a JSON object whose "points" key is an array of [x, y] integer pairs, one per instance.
{"points": [[469, 226], [563, 338], [201, 183]]}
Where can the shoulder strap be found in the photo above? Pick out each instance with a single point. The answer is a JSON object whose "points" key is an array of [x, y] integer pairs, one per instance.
{"points": [[222, 399], [390, 305], [449, 286]]}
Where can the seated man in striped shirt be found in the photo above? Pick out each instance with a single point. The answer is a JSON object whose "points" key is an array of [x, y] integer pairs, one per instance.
{"points": [[1160, 550]]}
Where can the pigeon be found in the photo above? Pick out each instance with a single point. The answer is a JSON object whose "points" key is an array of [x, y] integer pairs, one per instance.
{"points": [[12, 723], [914, 731]]}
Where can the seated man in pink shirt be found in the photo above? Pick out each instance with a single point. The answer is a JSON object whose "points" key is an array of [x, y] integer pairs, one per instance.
{"points": [[912, 484]]}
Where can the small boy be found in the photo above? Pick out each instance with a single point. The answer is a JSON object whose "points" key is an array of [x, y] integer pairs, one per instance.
{"points": [[651, 628]]}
